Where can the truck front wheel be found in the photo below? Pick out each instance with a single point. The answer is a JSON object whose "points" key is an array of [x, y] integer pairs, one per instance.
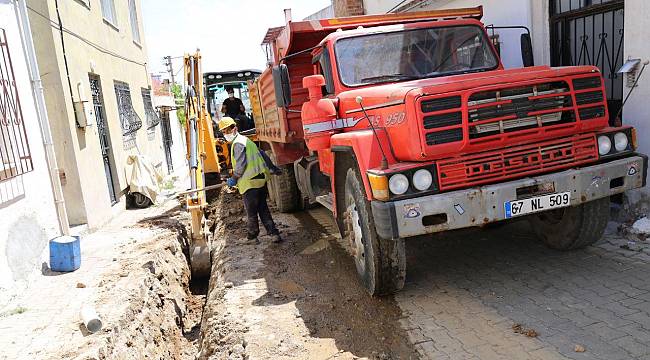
{"points": [[574, 227], [380, 263]]}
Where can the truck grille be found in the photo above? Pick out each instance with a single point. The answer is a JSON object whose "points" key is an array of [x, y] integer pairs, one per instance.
{"points": [[516, 162], [497, 115], [520, 108]]}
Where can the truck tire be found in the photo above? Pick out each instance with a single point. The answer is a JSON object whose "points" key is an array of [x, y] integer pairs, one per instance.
{"points": [[283, 190], [380, 263], [574, 227]]}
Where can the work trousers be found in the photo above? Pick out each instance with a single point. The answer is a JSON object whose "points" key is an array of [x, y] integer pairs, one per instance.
{"points": [[255, 204]]}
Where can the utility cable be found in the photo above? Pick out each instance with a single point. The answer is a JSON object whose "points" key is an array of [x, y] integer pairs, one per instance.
{"points": [[396, 6], [60, 27]]}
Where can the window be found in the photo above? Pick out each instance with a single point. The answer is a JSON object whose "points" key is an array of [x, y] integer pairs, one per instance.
{"points": [[413, 54], [15, 156], [152, 116], [129, 119], [326, 67], [135, 29], [108, 10]]}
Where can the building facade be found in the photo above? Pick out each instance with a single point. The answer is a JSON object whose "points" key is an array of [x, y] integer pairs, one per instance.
{"points": [[92, 57], [27, 206], [604, 33]]}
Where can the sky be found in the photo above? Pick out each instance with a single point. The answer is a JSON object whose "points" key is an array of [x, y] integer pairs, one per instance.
{"points": [[228, 32]]}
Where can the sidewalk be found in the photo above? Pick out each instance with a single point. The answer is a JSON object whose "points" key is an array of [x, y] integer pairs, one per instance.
{"points": [[44, 319]]}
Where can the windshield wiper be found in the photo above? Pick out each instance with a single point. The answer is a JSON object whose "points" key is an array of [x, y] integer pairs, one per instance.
{"points": [[389, 77]]}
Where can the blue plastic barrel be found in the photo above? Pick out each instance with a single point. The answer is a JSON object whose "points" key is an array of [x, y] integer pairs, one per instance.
{"points": [[65, 253]]}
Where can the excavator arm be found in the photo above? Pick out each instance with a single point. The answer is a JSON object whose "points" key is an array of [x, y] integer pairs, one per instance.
{"points": [[203, 163]]}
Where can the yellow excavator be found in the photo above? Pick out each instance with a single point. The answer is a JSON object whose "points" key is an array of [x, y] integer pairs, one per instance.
{"points": [[207, 158], [204, 166]]}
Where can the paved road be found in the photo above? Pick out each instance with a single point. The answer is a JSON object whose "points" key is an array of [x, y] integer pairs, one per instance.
{"points": [[466, 290]]}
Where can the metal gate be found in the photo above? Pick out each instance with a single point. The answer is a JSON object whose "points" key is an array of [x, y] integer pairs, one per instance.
{"points": [[104, 135], [165, 127], [590, 32]]}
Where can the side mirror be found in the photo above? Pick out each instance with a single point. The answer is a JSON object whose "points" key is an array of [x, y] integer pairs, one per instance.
{"points": [[282, 85], [527, 50]]}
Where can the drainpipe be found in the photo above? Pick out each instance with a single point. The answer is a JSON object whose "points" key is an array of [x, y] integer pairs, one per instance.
{"points": [[39, 102]]}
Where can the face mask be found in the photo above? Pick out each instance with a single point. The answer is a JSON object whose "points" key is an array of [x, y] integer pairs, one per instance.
{"points": [[230, 137]]}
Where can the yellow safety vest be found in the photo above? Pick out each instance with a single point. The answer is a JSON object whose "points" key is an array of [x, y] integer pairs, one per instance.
{"points": [[255, 165]]}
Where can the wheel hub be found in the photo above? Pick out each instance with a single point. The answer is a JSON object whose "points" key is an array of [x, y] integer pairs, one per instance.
{"points": [[356, 238]]}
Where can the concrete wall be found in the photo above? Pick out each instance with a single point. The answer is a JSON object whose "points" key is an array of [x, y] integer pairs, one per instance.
{"points": [[26, 202], [110, 52]]}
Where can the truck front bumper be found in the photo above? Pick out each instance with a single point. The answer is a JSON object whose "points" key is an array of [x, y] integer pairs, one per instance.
{"points": [[482, 205]]}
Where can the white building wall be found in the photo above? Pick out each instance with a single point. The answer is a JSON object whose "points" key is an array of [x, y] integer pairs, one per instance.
{"points": [[519, 12], [27, 212], [325, 13], [178, 148], [635, 113]]}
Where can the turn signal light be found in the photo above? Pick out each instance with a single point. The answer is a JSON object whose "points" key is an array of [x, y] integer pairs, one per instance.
{"points": [[379, 186]]}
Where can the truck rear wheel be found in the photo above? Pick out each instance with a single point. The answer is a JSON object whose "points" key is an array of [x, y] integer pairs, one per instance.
{"points": [[380, 263], [574, 227], [283, 190]]}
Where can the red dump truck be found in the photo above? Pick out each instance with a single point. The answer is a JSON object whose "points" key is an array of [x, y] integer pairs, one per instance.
{"points": [[408, 124]]}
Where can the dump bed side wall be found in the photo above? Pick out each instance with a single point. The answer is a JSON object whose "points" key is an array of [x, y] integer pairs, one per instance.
{"points": [[277, 124]]}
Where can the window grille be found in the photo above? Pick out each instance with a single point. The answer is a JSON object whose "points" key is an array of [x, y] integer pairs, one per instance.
{"points": [[108, 11], [135, 29], [152, 116], [129, 119], [15, 156]]}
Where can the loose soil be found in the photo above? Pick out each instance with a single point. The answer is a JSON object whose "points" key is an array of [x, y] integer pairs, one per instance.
{"points": [[296, 300], [148, 308]]}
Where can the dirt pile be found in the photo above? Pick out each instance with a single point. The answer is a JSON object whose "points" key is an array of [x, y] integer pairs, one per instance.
{"points": [[148, 309], [296, 300]]}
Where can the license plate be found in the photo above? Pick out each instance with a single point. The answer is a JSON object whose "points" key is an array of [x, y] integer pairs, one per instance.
{"points": [[536, 204]]}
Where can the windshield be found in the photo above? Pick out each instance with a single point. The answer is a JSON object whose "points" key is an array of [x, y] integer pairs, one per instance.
{"points": [[413, 54], [217, 93]]}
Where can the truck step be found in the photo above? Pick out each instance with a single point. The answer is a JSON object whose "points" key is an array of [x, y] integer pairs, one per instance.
{"points": [[326, 200]]}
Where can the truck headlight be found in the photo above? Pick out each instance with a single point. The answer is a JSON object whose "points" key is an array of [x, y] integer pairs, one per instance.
{"points": [[621, 141], [604, 145], [398, 184], [422, 179]]}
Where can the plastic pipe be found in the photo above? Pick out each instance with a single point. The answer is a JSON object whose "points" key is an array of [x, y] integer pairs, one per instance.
{"points": [[43, 120], [90, 319]]}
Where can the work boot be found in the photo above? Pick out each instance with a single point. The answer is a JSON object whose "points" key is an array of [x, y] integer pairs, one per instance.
{"points": [[276, 238], [250, 241]]}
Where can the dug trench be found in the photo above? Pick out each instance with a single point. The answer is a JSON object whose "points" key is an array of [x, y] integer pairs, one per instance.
{"points": [[299, 299]]}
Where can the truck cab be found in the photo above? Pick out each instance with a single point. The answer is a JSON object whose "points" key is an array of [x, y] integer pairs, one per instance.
{"points": [[413, 127]]}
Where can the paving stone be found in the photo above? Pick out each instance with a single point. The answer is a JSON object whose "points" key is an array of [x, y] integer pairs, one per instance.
{"points": [[488, 281], [633, 347], [605, 332]]}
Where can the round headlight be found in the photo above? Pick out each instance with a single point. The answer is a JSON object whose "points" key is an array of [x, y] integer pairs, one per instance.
{"points": [[620, 141], [422, 180], [398, 184], [604, 145]]}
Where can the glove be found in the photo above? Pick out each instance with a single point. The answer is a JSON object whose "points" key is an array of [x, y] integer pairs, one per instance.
{"points": [[231, 182]]}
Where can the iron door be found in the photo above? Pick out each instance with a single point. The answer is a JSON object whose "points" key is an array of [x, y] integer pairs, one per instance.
{"points": [[104, 135], [165, 128], [590, 32]]}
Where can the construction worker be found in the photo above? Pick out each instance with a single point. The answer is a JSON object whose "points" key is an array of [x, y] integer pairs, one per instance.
{"points": [[250, 173]]}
